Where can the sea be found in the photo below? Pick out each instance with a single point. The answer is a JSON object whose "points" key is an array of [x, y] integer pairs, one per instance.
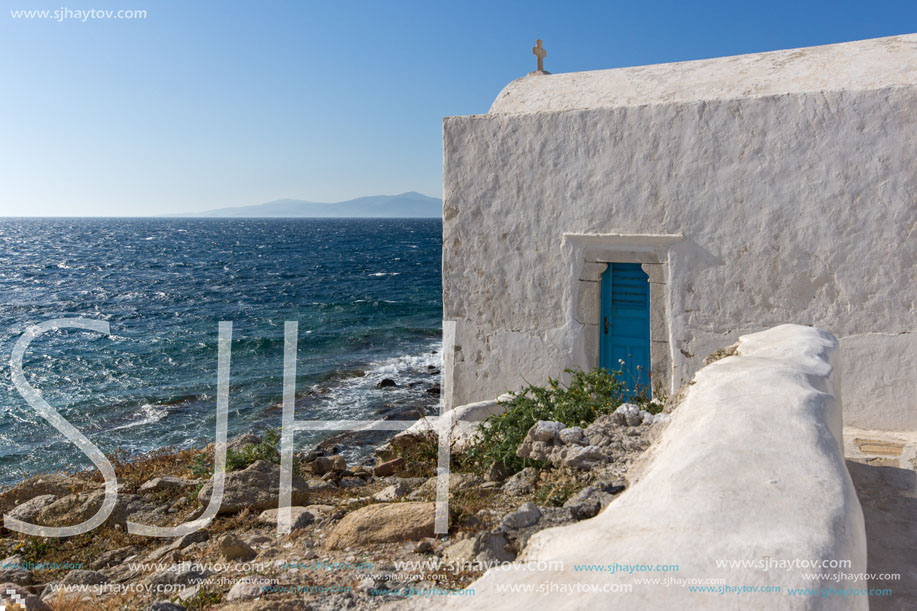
{"points": [[365, 292]]}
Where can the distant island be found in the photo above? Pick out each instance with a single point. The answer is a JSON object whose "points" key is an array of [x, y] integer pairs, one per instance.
{"points": [[405, 205]]}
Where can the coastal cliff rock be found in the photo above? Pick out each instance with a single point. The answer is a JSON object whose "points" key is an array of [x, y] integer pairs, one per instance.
{"points": [[383, 523], [255, 487]]}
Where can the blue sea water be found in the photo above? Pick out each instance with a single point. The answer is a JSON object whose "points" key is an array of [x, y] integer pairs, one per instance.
{"points": [[366, 295]]}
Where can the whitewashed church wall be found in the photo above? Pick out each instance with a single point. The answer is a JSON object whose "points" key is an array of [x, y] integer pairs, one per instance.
{"points": [[794, 208]]}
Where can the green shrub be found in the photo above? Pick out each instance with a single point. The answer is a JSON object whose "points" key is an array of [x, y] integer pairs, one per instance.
{"points": [[265, 450], [589, 395]]}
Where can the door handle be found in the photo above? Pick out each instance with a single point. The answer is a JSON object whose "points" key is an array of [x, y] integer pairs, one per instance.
{"points": [[606, 325]]}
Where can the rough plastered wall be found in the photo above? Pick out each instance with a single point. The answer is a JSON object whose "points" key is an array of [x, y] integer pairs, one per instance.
{"points": [[796, 208], [750, 469]]}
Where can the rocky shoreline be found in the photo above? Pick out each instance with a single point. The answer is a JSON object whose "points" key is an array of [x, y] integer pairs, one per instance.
{"points": [[362, 535]]}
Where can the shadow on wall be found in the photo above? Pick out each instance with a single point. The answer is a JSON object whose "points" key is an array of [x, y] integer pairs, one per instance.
{"points": [[889, 499]]}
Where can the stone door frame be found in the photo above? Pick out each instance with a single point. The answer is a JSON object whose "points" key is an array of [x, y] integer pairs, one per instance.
{"points": [[587, 256]]}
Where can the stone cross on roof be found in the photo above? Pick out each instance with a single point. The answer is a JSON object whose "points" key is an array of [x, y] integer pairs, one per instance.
{"points": [[539, 52]]}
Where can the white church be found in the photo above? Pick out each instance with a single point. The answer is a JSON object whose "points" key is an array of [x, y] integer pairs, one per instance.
{"points": [[651, 215]]}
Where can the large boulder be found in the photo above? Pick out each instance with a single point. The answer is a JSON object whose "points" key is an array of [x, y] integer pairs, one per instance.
{"points": [[56, 484], [383, 523], [256, 487], [76, 508], [30, 510]]}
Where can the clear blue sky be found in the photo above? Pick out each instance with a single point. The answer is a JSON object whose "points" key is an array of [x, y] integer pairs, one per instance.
{"points": [[211, 104]]}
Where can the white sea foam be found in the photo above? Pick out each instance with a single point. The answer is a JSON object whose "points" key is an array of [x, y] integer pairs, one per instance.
{"points": [[149, 414]]}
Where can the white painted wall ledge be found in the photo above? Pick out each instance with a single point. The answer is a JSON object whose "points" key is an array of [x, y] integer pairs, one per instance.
{"points": [[750, 469]]}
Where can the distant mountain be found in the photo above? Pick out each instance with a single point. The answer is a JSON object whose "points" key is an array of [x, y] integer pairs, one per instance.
{"points": [[406, 205]]}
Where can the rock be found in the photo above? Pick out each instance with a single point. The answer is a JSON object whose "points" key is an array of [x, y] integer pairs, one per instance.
{"points": [[392, 493], [457, 481], [12, 593], [242, 441], [29, 510], [493, 547], [320, 510], [581, 457], [388, 467], [461, 550], [165, 605], [320, 485], [573, 435], [588, 502], [55, 484], [234, 548], [521, 483], [185, 573], [351, 482], [112, 557], [77, 508], [545, 431], [436, 389], [163, 484], [628, 414], [387, 383], [527, 515], [328, 464], [300, 517], [13, 570], [383, 523], [609, 439], [496, 472], [260, 540], [248, 588], [424, 546], [182, 542], [255, 487], [75, 577]]}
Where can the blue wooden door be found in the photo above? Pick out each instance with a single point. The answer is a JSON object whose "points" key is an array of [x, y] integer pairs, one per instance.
{"points": [[624, 326]]}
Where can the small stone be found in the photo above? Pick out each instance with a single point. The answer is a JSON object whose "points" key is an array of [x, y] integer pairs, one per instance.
{"points": [[436, 389], [300, 517], [248, 588], [628, 414], [320, 485], [165, 605], [527, 515], [388, 467], [496, 472], [329, 464], [521, 483], [588, 502], [387, 383], [351, 482], [582, 457], [162, 484], [573, 435], [424, 546], [493, 547], [392, 493], [234, 548], [545, 431]]}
